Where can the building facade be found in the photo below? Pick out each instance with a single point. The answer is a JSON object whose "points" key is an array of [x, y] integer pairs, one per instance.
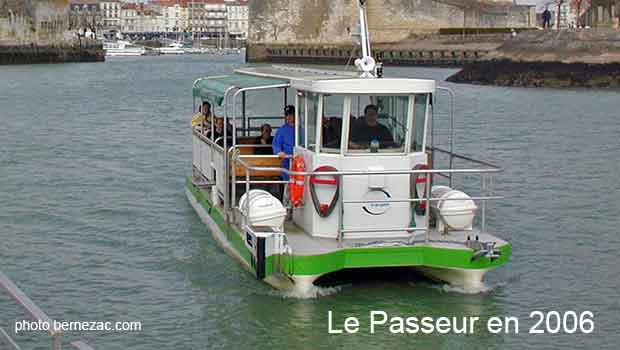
{"points": [[237, 18], [207, 17], [84, 14], [150, 21], [110, 14], [176, 17], [203, 18], [129, 18]]}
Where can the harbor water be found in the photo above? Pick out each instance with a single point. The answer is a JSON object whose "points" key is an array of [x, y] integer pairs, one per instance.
{"points": [[95, 225]]}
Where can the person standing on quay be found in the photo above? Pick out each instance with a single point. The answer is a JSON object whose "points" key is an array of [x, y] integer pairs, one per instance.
{"points": [[546, 17]]}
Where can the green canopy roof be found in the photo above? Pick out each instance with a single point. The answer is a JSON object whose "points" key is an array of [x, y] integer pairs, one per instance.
{"points": [[214, 89]]}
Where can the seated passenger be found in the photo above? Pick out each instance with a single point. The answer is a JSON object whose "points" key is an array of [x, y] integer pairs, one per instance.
{"points": [[332, 128], [201, 120], [218, 132], [265, 139], [218, 129], [369, 129]]}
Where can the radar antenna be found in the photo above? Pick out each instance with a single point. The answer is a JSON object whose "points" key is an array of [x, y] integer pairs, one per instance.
{"points": [[366, 64]]}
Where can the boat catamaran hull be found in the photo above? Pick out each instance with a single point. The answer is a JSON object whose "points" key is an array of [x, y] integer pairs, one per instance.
{"points": [[449, 264], [392, 207]]}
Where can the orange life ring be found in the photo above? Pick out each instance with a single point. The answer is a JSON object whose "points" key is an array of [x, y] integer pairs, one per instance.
{"points": [[296, 185]]}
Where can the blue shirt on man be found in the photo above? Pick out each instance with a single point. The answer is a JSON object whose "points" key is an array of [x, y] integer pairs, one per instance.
{"points": [[284, 141]]}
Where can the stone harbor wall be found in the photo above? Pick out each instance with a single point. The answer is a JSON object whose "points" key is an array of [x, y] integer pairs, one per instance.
{"points": [[331, 22], [37, 31]]}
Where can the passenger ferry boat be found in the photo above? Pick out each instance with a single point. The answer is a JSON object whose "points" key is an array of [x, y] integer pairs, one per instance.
{"points": [[347, 205]]}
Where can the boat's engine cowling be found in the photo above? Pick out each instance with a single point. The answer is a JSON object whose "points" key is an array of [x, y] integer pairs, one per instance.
{"points": [[261, 209], [264, 218], [454, 210]]}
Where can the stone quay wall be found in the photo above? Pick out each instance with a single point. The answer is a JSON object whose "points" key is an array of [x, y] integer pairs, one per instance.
{"points": [[37, 31], [311, 25]]}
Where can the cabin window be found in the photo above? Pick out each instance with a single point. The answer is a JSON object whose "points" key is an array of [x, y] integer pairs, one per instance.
{"points": [[331, 123], [312, 102], [419, 121], [301, 119], [378, 124]]}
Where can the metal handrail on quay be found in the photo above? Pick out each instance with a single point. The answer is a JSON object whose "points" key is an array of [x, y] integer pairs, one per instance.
{"points": [[35, 313]]}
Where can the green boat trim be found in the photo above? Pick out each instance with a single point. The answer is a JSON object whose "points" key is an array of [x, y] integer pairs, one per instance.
{"points": [[363, 257]]}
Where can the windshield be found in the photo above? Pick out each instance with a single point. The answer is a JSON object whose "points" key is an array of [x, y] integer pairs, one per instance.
{"points": [[378, 124]]}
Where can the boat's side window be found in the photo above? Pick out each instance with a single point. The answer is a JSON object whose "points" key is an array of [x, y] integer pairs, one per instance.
{"points": [[419, 118], [301, 119], [393, 113], [331, 123], [312, 101]]}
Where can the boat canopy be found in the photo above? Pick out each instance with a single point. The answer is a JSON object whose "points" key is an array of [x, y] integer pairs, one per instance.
{"points": [[214, 89]]}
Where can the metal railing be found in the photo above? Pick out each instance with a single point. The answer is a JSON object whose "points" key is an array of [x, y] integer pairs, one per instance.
{"points": [[231, 156], [240, 158], [35, 313], [483, 198], [262, 120]]}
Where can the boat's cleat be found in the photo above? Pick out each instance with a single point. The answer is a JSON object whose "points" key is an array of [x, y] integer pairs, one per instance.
{"points": [[483, 249]]}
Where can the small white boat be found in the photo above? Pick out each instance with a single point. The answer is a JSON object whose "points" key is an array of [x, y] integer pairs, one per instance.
{"points": [[172, 49], [122, 48], [194, 50]]}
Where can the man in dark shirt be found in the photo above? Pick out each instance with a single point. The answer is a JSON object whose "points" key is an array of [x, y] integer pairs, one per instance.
{"points": [[546, 17], [368, 130]]}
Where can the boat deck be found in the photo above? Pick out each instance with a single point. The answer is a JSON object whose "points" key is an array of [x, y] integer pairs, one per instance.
{"points": [[304, 244]]}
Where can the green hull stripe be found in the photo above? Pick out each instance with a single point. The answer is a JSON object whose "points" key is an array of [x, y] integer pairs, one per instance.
{"points": [[356, 257], [232, 235]]}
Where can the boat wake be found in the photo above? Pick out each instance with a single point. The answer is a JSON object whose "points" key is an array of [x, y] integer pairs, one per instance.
{"points": [[314, 292], [479, 289], [482, 288]]}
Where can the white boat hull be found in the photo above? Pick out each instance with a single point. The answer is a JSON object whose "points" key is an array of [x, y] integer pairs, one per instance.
{"points": [[124, 53], [467, 279], [169, 51]]}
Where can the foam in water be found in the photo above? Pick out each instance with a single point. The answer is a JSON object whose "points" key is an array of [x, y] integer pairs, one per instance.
{"points": [[314, 292], [479, 289]]}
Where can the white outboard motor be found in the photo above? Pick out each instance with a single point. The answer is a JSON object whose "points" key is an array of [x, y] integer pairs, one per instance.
{"points": [[455, 210], [264, 217], [262, 210]]}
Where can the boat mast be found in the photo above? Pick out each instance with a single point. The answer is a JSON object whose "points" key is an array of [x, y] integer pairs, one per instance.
{"points": [[365, 64]]}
